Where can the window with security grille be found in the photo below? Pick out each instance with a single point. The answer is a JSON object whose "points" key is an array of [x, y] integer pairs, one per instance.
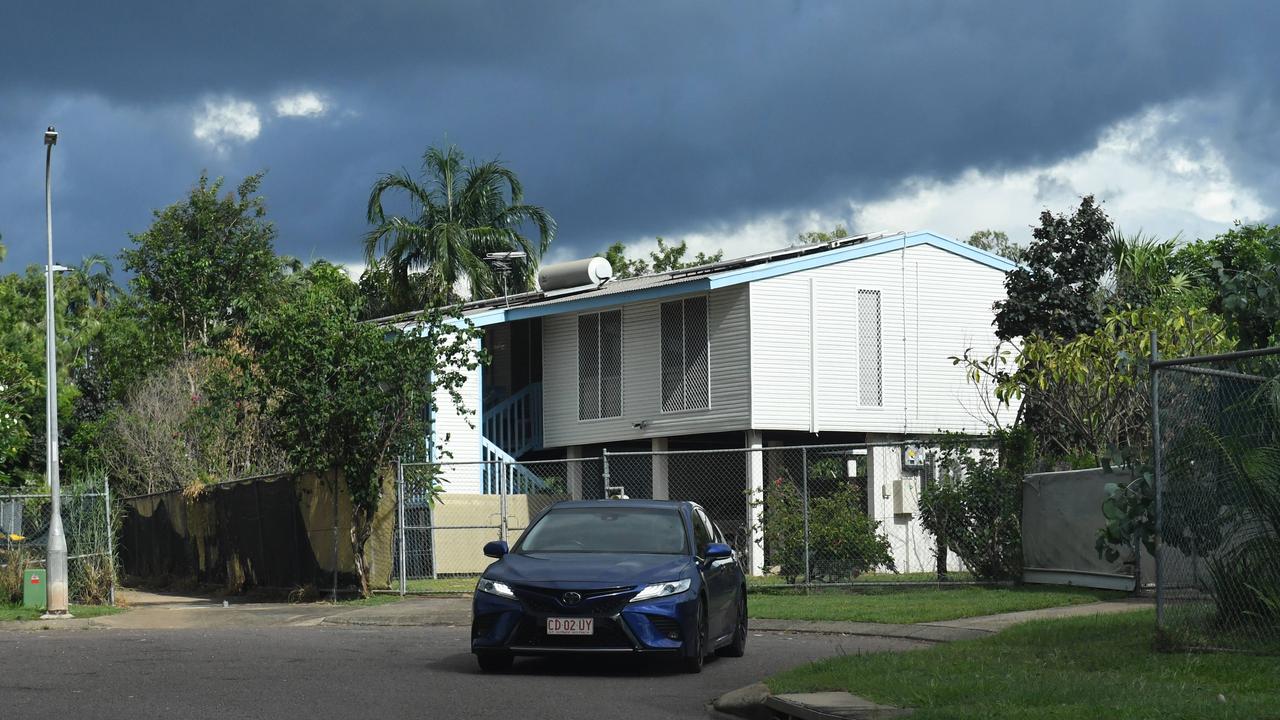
{"points": [[685, 367], [869, 352], [600, 365]]}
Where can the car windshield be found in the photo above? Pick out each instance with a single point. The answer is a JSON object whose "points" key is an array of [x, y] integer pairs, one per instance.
{"points": [[607, 530]]}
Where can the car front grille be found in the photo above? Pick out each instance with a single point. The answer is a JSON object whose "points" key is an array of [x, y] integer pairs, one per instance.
{"points": [[532, 632], [597, 601]]}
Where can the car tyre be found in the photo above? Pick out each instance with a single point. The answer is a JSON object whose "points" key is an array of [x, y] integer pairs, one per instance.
{"points": [[494, 662], [693, 661], [738, 646]]}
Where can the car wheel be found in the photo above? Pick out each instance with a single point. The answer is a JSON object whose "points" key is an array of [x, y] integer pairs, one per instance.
{"points": [[738, 646], [494, 662], [693, 661]]}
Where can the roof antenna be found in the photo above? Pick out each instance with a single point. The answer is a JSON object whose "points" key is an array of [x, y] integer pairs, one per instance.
{"points": [[502, 263]]}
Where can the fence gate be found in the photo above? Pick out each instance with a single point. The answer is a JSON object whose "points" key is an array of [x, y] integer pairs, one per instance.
{"points": [[439, 538]]}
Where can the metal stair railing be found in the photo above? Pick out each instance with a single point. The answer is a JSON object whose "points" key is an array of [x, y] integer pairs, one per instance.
{"points": [[515, 424], [500, 467]]}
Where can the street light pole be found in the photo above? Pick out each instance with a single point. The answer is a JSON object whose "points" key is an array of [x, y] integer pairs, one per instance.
{"points": [[56, 562]]}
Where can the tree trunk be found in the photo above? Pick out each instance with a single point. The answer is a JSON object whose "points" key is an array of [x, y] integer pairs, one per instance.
{"points": [[941, 552], [361, 530]]}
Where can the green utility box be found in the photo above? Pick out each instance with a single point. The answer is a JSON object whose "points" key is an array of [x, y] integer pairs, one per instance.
{"points": [[33, 590]]}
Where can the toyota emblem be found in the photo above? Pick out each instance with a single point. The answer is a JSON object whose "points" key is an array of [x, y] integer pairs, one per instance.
{"points": [[571, 598]]}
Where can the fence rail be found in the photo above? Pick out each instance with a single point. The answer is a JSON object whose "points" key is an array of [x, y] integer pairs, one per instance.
{"points": [[809, 515]]}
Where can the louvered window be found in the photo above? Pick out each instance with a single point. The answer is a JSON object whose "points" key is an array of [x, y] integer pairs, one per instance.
{"points": [[869, 353], [685, 368], [600, 365]]}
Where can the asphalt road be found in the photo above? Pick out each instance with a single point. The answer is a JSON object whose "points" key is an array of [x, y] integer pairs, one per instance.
{"points": [[358, 672]]}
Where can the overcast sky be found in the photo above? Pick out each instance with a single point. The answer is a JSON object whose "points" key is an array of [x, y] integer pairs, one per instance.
{"points": [[733, 125]]}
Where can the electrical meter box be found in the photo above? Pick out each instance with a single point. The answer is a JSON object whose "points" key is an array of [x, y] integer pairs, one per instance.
{"points": [[33, 589], [913, 456]]}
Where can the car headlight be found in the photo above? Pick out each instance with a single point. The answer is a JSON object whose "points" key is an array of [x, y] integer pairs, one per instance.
{"points": [[658, 590], [493, 587]]}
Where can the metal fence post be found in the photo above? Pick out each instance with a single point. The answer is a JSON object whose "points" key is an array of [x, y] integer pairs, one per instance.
{"points": [[504, 478], [1157, 461], [604, 470], [400, 535], [111, 544], [804, 459]]}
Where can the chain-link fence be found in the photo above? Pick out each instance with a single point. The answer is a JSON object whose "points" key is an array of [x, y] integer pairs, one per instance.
{"points": [[88, 527], [1217, 471], [807, 515]]}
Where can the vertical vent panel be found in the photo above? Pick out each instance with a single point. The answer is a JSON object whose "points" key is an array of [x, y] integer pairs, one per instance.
{"points": [[870, 361]]}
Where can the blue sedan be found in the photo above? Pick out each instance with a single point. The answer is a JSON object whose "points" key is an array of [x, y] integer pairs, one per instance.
{"points": [[612, 576]]}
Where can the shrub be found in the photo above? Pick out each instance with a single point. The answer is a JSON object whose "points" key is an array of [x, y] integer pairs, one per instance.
{"points": [[844, 542], [13, 561], [975, 508]]}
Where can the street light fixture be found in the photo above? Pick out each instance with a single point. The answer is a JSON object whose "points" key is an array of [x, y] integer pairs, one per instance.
{"points": [[56, 561]]}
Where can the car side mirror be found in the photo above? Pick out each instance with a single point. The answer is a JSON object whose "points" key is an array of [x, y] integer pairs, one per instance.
{"points": [[718, 551], [495, 548]]}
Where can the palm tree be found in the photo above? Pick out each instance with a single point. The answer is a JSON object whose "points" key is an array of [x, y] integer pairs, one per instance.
{"points": [[459, 214], [101, 288], [1144, 270]]}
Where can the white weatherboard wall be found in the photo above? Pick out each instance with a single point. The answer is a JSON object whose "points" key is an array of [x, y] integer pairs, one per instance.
{"points": [[804, 343], [456, 435], [730, 372]]}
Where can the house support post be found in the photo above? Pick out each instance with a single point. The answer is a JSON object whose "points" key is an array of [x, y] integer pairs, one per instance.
{"points": [[755, 500], [661, 485], [573, 471]]}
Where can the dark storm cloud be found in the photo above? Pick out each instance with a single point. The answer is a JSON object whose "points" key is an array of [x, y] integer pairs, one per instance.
{"points": [[624, 120]]}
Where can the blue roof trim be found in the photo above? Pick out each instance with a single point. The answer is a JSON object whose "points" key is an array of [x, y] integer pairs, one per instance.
{"points": [[853, 252], [589, 302], [990, 259]]}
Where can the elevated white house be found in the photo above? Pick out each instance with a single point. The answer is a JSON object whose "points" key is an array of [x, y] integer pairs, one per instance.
{"points": [[842, 342]]}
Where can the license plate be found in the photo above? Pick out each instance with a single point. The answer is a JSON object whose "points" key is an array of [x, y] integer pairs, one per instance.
{"points": [[570, 626]]}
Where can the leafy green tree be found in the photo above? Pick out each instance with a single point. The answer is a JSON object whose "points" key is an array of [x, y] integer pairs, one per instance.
{"points": [[814, 237], [1238, 270], [349, 397], [456, 216], [204, 263], [998, 242], [22, 340], [1093, 390], [17, 387], [1054, 293], [665, 259]]}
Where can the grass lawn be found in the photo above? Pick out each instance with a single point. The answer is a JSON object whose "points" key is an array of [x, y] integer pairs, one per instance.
{"points": [[440, 585], [17, 612], [467, 584], [915, 605], [1088, 667], [775, 581]]}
